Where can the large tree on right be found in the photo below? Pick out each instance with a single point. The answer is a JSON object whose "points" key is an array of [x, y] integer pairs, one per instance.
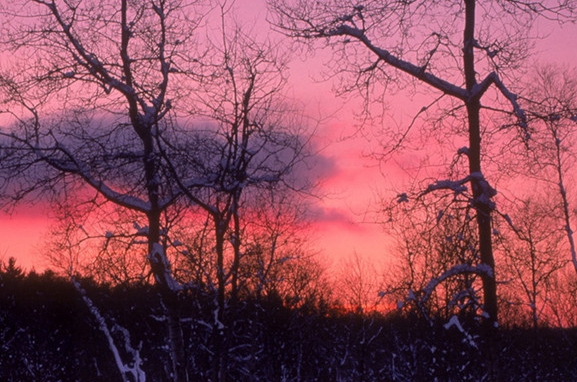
{"points": [[466, 53]]}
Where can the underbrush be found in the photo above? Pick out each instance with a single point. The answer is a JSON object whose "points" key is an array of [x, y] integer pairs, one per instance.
{"points": [[47, 333]]}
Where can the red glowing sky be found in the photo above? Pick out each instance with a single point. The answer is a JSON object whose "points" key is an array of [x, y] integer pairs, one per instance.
{"points": [[351, 185]]}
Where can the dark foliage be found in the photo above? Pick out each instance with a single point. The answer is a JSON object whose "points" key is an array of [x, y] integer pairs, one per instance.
{"points": [[47, 333]]}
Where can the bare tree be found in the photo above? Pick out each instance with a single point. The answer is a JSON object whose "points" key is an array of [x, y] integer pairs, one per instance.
{"points": [[436, 254], [253, 142], [273, 240], [551, 103], [124, 110], [358, 284], [91, 109], [531, 257], [458, 49], [564, 306]]}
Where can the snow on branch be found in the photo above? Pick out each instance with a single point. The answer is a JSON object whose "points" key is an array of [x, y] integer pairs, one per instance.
{"points": [[85, 58], [493, 79], [454, 322], [135, 370], [345, 27], [61, 158], [484, 190], [420, 298], [161, 267], [457, 186], [402, 198], [416, 71], [480, 269], [73, 166], [463, 151]]}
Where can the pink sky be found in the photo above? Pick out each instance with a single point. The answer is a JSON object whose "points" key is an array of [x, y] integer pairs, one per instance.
{"points": [[342, 226]]}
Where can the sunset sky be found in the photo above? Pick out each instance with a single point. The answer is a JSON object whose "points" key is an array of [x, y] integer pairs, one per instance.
{"points": [[351, 180]]}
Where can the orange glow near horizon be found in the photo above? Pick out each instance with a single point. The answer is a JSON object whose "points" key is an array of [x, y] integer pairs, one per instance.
{"points": [[21, 236], [342, 227]]}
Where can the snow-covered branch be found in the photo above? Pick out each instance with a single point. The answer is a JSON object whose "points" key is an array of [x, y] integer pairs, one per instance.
{"points": [[480, 269], [416, 71], [135, 370], [457, 186], [161, 266], [74, 166], [493, 79], [484, 191], [454, 322]]}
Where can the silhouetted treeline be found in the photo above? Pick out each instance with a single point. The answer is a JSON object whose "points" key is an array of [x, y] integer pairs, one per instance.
{"points": [[48, 333]]}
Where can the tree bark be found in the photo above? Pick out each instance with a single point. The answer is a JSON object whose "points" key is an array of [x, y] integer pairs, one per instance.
{"points": [[219, 338], [482, 192], [479, 185], [159, 262]]}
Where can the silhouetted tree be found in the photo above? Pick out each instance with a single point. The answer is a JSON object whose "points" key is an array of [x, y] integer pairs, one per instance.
{"points": [[124, 112], [253, 143], [457, 49], [94, 109], [551, 102], [531, 257]]}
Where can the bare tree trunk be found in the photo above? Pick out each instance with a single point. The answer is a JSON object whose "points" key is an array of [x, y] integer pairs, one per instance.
{"points": [[482, 192], [171, 303], [563, 193], [218, 325], [481, 189], [159, 262], [236, 248]]}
